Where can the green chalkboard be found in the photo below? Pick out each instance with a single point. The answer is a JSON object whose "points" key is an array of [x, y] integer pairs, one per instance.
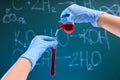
{"points": [[87, 54]]}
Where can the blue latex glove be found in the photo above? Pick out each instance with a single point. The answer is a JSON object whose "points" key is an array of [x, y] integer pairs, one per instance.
{"points": [[37, 47], [79, 14]]}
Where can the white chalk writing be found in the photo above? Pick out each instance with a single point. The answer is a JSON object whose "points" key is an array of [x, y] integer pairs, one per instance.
{"points": [[83, 59], [12, 17]]}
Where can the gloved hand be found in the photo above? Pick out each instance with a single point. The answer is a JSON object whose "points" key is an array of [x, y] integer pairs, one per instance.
{"points": [[79, 14], [37, 47]]}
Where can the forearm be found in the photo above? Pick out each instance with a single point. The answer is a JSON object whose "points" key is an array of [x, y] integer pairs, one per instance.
{"points": [[19, 71], [110, 23]]}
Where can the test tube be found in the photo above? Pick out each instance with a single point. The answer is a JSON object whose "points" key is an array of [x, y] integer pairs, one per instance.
{"points": [[68, 28], [53, 58]]}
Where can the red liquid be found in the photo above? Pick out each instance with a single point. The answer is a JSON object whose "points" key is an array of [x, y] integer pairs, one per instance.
{"points": [[53, 63], [68, 27]]}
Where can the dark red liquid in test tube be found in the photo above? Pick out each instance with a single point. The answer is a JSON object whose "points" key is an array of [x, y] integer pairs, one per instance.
{"points": [[53, 63], [67, 27]]}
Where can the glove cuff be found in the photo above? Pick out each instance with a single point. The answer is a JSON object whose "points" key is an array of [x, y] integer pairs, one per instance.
{"points": [[96, 16], [32, 61]]}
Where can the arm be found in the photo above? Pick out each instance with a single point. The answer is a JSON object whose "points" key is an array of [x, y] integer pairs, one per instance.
{"points": [[19, 71], [110, 23], [27, 61], [79, 14]]}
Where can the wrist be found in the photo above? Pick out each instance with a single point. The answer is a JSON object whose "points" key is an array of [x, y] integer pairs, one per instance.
{"points": [[33, 55], [30, 59], [95, 17], [26, 62]]}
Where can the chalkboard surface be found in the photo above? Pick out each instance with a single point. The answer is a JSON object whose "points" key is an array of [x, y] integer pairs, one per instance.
{"points": [[87, 54]]}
